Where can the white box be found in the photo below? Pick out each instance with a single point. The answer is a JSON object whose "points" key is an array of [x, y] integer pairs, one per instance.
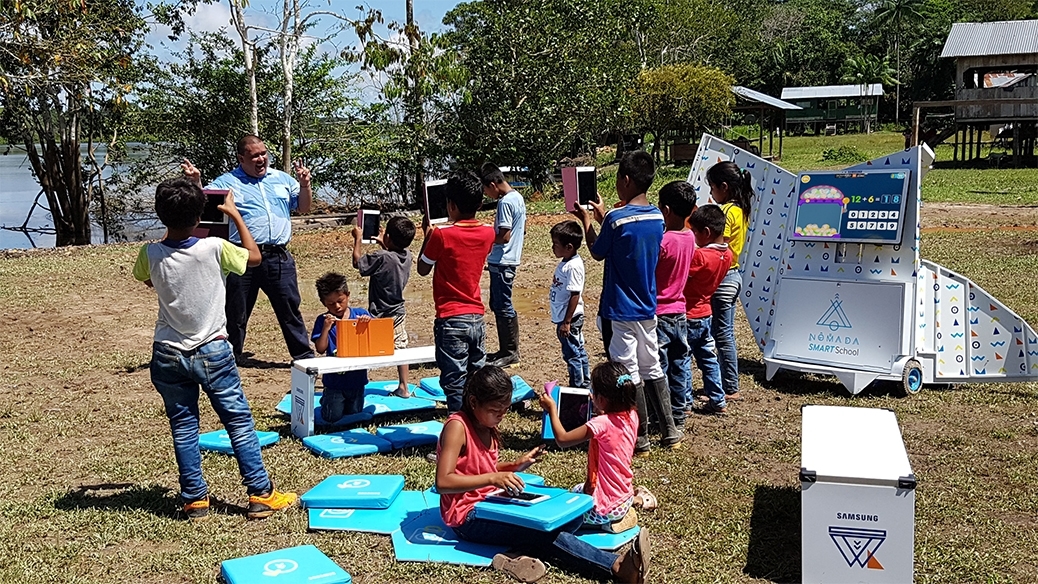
{"points": [[857, 497]]}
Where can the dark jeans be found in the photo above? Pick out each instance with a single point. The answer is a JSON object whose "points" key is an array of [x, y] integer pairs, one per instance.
{"points": [[671, 331], [501, 280], [177, 376], [559, 545], [459, 351], [722, 327], [573, 352], [276, 276], [701, 346], [336, 403]]}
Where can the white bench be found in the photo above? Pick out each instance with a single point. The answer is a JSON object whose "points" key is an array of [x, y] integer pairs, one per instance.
{"points": [[305, 372]]}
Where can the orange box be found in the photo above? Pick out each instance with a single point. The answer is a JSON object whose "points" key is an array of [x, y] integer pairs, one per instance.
{"points": [[355, 338]]}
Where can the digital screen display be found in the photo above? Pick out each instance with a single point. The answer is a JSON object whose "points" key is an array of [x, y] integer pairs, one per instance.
{"points": [[587, 186], [369, 225], [574, 408], [851, 207], [211, 213], [436, 201]]}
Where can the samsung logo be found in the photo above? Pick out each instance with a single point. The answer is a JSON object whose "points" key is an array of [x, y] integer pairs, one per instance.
{"points": [[857, 517]]}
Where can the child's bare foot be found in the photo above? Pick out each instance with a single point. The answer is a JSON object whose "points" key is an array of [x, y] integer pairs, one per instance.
{"points": [[402, 391]]}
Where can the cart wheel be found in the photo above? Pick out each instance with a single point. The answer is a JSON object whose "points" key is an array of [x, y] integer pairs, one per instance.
{"points": [[912, 377]]}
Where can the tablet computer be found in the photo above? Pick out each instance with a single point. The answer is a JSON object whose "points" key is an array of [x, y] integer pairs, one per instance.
{"points": [[521, 498], [368, 221], [211, 213], [579, 186], [436, 201], [574, 407]]}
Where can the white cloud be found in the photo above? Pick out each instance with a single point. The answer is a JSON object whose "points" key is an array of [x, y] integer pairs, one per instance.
{"points": [[209, 18]]}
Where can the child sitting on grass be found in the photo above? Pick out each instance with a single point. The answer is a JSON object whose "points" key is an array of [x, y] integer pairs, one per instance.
{"points": [[467, 470], [389, 269], [343, 392], [191, 350], [611, 433]]}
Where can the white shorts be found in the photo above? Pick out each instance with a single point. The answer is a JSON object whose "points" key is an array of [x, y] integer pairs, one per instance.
{"points": [[635, 346]]}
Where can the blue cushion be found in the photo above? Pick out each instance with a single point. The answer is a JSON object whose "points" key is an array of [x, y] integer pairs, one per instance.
{"points": [[297, 565], [384, 521], [560, 509], [219, 441], [385, 387], [285, 407], [417, 434], [429, 388], [375, 404], [604, 540], [345, 444], [425, 538], [354, 492]]}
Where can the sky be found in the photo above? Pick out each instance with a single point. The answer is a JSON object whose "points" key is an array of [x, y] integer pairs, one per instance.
{"points": [[212, 17]]}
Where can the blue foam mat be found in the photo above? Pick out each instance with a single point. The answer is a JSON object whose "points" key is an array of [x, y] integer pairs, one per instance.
{"points": [[377, 404], [346, 444], [354, 492], [219, 441], [604, 540], [385, 387], [429, 388], [296, 565], [424, 537], [561, 508], [384, 521], [416, 434], [285, 407]]}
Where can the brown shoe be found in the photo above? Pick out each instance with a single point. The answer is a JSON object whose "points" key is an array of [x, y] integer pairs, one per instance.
{"points": [[522, 568], [633, 566], [628, 521]]}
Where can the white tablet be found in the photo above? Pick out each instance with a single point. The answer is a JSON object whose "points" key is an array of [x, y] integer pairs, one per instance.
{"points": [[521, 498], [211, 213], [368, 221], [436, 201]]}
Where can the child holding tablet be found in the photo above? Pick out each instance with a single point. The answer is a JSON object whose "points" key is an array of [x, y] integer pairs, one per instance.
{"points": [[467, 470]]}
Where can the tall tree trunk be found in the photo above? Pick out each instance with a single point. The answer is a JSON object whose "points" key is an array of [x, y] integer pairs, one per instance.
{"points": [[249, 51], [413, 110], [290, 31]]}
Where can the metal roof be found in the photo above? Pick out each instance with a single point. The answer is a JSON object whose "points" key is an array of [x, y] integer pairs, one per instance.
{"points": [[977, 39], [747, 93], [793, 93]]}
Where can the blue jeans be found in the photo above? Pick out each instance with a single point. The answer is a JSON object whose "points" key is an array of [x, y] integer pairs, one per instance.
{"points": [[339, 402], [559, 545], [701, 346], [722, 327], [501, 280], [573, 352], [672, 333], [177, 376], [459, 351], [276, 276]]}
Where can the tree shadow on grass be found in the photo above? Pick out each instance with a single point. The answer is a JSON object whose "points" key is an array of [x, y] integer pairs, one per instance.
{"points": [[774, 550], [155, 499]]}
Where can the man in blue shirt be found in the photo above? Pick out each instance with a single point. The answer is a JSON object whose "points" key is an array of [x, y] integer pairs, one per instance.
{"points": [[265, 197], [509, 229]]}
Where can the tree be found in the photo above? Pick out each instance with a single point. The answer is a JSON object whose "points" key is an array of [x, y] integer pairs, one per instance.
{"points": [[248, 47], [865, 70], [65, 67], [896, 14], [684, 98]]}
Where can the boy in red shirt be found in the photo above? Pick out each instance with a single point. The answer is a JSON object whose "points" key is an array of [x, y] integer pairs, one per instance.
{"points": [[459, 251], [709, 266]]}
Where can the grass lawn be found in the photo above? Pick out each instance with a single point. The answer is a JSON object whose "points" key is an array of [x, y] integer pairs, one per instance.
{"points": [[88, 491]]}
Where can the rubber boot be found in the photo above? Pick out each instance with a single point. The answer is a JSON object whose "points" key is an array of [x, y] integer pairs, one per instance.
{"points": [[502, 340], [641, 446], [657, 396], [509, 355]]}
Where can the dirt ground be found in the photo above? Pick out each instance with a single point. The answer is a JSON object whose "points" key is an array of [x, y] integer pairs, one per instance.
{"points": [[74, 347]]}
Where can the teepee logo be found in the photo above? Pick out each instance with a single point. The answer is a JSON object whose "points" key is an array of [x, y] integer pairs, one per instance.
{"points": [[835, 318], [858, 546]]}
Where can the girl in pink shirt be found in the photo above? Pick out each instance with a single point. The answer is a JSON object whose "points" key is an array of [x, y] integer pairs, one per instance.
{"points": [[612, 434], [467, 470]]}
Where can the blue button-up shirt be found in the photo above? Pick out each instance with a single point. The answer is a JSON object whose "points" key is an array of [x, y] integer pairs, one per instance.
{"points": [[264, 203]]}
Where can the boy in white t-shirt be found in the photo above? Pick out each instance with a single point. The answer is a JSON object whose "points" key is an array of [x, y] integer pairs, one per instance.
{"points": [[191, 353], [567, 305]]}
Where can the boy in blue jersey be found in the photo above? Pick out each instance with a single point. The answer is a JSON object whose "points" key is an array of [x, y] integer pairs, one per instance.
{"points": [[630, 245], [343, 392]]}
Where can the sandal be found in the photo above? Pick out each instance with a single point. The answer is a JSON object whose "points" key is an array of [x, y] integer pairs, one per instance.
{"points": [[522, 568], [623, 524], [649, 501]]}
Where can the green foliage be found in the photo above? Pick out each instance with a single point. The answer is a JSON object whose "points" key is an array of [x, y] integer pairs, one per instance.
{"points": [[842, 155], [546, 78], [681, 98]]}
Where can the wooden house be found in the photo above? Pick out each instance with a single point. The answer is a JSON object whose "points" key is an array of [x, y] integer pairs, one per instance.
{"points": [[831, 107]]}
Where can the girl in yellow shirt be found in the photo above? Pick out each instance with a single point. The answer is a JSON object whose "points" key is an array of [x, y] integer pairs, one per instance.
{"points": [[732, 189]]}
